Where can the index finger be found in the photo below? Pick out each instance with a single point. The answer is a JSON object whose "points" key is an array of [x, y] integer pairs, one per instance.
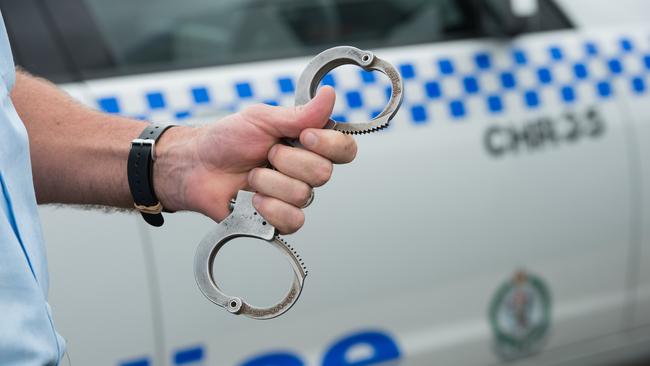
{"points": [[333, 145]]}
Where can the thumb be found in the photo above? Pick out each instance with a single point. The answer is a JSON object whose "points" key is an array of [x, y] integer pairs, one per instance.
{"points": [[289, 122], [317, 111]]}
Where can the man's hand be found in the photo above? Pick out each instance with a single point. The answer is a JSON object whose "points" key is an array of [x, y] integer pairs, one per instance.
{"points": [[79, 155], [201, 169]]}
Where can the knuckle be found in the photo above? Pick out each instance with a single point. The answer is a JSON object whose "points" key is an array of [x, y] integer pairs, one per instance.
{"points": [[302, 194], [351, 148], [253, 176], [275, 153], [296, 113], [255, 109], [297, 222], [323, 173]]}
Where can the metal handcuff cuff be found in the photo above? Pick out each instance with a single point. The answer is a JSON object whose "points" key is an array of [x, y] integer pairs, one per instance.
{"points": [[245, 221]]}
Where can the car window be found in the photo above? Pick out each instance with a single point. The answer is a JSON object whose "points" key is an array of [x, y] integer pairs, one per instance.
{"points": [[158, 35]]}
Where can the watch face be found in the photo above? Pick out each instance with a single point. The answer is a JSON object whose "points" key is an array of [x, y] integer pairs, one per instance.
{"points": [[520, 316]]}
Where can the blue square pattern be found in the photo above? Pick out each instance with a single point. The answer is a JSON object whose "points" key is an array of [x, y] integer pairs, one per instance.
{"points": [[200, 95], [591, 49], [470, 84], [244, 90], [418, 114], [375, 113], [328, 80], [531, 98], [604, 89], [457, 108], [109, 105], [183, 114], [432, 89], [568, 94], [368, 77], [508, 80], [483, 61], [407, 71], [615, 66], [519, 56], [286, 85], [544, 75], [388, 92], [495, 104], [340, 118], [446, 66], [138, 362], [354, 99], [626, 45], [580, 71], [638, 85], [271, 102], [556, 53], [156, 100], [188, 355]]}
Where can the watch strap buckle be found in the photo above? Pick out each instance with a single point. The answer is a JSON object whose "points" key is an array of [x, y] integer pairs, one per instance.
{"points": [[150, 142]]}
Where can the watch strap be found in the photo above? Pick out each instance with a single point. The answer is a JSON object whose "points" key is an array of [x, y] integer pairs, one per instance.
{"points": [[140, 173]]}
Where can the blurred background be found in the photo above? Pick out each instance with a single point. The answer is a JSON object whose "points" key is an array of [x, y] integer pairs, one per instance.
{"points": [[504, 217]]}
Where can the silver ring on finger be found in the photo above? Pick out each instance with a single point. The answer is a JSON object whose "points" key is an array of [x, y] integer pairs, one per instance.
{"points": [[309, 200]]}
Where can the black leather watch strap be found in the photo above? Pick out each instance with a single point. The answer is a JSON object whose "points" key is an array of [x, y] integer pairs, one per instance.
{"points": [[140, 174]]}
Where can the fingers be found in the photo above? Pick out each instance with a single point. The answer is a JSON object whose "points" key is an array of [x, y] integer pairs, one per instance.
{"points": [[283, 216], [301, 164], [281, 193], [288, 122], [275, 184], [333, 145]]}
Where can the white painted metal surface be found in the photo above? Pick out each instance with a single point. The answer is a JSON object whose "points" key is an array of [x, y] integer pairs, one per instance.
{"points": [[428, 214]]}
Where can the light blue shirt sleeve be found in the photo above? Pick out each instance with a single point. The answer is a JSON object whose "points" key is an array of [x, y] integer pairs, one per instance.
{"points": [[27, 333]]}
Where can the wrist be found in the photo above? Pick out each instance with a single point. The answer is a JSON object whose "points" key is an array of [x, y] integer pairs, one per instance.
{"points": [[174, 158]]}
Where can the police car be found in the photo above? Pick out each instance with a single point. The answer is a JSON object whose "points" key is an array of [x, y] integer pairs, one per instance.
{"points": [[503, 217]]}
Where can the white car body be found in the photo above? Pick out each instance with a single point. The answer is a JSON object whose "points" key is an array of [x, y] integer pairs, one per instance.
{"points": [[408, 245]]}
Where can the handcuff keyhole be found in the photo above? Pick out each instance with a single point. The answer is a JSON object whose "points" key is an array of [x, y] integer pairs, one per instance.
{"points": [[365, 58], [263, 222], [233, 304]]}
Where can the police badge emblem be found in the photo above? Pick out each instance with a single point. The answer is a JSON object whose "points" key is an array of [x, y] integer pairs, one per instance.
{"points": [[520, 316]]}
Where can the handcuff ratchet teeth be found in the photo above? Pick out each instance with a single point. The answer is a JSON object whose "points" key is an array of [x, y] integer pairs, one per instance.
{"points": [[334, 57], [245, 221]]}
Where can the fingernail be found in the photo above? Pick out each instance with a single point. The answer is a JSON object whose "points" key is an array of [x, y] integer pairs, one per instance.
{"points": [[257, 200], [310, 139]]}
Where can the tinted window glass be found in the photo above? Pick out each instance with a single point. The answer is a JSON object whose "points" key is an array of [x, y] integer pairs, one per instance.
{"points": [[163, 34], [101, 38]]}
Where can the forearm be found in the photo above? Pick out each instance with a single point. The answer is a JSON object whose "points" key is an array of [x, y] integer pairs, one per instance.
{"points": [[78, 155]]}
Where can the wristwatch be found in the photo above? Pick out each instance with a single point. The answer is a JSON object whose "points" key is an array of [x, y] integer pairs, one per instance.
{"points": [[140, 173]]}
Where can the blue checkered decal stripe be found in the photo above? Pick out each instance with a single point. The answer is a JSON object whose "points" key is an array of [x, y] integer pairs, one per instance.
{"points": [[181, 357], [444, 83]]}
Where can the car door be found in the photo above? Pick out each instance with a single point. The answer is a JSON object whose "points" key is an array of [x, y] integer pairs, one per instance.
{"points": [[637, 107], [508, 160]]}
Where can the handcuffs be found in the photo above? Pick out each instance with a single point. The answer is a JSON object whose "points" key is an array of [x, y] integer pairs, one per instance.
{"points": [[245, 221]]}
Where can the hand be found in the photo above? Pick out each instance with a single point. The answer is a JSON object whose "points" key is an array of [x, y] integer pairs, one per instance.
{"points": [[201, 169]]}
